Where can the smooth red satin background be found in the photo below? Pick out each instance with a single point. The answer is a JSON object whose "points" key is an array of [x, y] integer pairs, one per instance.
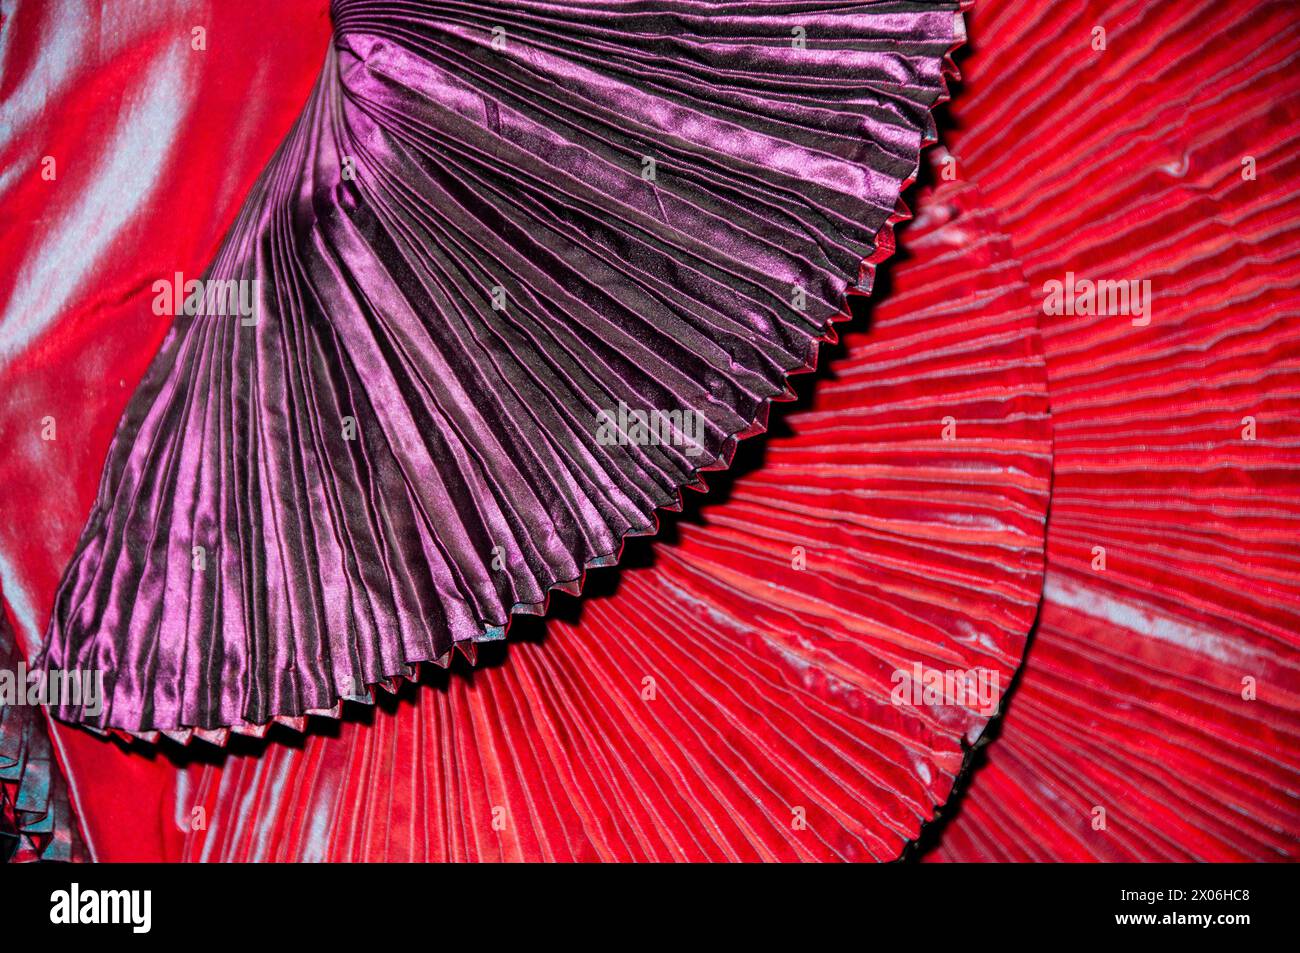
{"points": [[79, 78]]}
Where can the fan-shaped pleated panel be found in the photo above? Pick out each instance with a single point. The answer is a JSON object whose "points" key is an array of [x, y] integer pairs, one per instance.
{"points": [[1158, 717], [734, 699], [1132, 697], [496, 234], [153, 146]]}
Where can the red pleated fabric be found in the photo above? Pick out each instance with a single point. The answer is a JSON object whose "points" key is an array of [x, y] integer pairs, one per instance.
{"points": [[1158, 717], [732, 699]]}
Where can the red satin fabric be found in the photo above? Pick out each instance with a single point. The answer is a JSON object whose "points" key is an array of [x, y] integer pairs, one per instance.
{"points": [[1119, 162], [155, 146], [1158, 714]]}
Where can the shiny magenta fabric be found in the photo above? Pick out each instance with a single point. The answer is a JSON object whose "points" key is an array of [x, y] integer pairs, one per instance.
{"points": [[155, 145], [493, 231], [1123, 163]]}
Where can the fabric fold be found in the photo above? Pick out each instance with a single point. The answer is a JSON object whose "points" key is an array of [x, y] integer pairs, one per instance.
{"points": [[743, 694], [518, 275], [35, 810]]}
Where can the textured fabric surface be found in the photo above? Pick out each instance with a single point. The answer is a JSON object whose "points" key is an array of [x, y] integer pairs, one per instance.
{"points": [[1124, 163], [491, 227], [155, 145], [1158, 715], [734, 698], [36, 816]]}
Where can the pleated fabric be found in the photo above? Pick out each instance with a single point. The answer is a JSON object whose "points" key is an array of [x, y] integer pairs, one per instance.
{"points": [[153, 146], [733, 699], [37, 820], [1158, 716], [491, 225], [1131, 699]]}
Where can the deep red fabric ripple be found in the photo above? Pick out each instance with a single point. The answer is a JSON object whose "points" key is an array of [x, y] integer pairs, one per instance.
{"points": [[1158, 716]]}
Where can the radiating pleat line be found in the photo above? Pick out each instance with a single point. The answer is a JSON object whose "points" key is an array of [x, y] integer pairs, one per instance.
{"points": [[1158, 715], [249, 562], [772, 685]]}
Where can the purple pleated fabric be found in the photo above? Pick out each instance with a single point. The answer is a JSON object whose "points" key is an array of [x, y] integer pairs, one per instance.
{"points": [[497, 233]]}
